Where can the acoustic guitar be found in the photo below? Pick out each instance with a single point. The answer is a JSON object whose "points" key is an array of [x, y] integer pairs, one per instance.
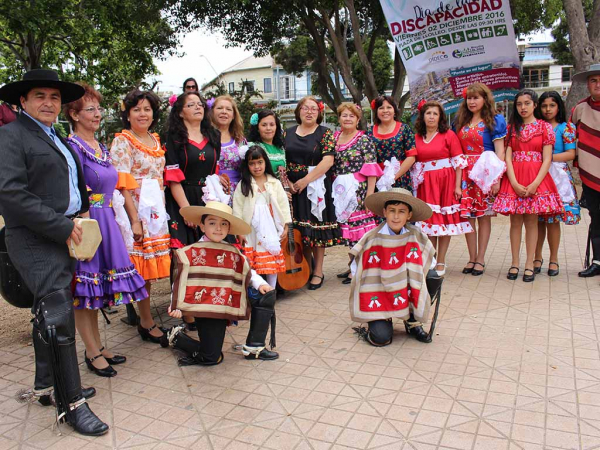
{"points": [[297, 271]]}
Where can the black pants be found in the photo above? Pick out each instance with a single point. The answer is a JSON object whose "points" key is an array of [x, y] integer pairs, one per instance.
{"points": [[211, 333], [592, 197], [46, 267]]}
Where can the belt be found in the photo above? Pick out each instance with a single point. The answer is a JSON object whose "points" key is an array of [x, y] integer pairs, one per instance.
{"points": [[72, 216]]}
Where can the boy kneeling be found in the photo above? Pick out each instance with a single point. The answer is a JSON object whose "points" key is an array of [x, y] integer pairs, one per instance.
{"points": [[215, 284], [389, 268]]}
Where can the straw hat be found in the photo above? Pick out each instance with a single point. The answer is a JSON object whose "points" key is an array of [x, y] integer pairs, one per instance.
{"points": [[12, 92], [582, 77], [194, 214], [420, 210]]}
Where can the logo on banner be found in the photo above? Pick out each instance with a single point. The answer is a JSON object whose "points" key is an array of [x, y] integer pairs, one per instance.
{"points": [[438, 57], [469, 51]]}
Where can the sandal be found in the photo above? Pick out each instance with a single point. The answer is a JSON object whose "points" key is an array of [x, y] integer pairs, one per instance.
{"points": [[468, 270], [477, 273], [512, 275], [537, 270], [553, 272]]}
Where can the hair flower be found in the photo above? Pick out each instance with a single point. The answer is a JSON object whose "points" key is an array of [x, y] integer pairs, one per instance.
{"points": [[122, 104], [210, 103], [172, 100], [421, 104], [321, 106], [358, 106], [254, 119], [465, 93], [373, 104]]}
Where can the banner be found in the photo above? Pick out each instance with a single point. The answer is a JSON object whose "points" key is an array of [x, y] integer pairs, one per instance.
{"points": [[448, 45]]}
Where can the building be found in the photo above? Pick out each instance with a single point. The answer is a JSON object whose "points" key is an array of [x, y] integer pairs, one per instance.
{"points": [[542, 73]]}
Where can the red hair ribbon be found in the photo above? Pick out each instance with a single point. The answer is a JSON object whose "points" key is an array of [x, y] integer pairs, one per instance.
{"points": [[321, 106], [465, 93], [373, 104], [421, 104]]}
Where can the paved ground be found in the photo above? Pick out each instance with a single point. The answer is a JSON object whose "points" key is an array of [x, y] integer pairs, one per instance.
{"points": [[513, 366]]}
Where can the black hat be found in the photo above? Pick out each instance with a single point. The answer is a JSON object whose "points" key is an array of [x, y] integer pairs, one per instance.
{"points": [[12, 92]]}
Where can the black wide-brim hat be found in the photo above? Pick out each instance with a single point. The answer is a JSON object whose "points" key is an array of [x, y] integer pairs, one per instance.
{"points": [[12, 92]]}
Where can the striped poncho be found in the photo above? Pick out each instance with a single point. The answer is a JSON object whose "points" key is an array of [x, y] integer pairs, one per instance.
{"points": [[390, 276]]}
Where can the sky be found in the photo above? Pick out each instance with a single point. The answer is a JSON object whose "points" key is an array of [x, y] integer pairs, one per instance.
{"points": [[175, 70]]}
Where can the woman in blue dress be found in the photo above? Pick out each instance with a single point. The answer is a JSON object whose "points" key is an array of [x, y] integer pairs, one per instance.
{"points": [[551, 108]]}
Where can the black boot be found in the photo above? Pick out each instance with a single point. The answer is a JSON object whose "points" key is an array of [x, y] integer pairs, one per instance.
{"points": [[54, 316], [591, 271], [263, 314], [415, 329]]}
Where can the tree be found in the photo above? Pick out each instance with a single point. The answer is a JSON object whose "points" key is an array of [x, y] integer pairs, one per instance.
{"points": [[330, 32], [584, 41], [108, 43]]}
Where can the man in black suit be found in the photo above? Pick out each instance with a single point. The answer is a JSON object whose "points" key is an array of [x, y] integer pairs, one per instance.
{"points": [[41, 190]]}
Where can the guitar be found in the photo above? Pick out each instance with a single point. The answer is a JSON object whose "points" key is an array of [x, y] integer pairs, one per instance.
{"points": [[297, 271]]}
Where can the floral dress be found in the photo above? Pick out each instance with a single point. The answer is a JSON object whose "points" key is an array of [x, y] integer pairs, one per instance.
{"points": [[141, 167], [109, 278], [399, 143], [230, 163], [356, 157], [527, 149], [474, 141], [565, 140]]}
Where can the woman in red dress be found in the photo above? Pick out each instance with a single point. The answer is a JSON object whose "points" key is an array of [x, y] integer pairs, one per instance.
{"points": [[479, 130], [437, 178], [527, 191]]}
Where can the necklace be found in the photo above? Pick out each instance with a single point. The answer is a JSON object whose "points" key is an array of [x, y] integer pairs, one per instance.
{"points": [[386, 130], [141, 139], [431, 139], [101, 156]]}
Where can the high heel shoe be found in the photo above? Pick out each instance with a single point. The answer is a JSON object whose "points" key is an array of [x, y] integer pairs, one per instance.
{"points": [[537, 270], [107, 372], [146, 336], [116, 359], [313, 286]]}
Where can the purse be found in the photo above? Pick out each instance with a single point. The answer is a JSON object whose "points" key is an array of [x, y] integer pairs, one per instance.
{"points": [[90, 241]]}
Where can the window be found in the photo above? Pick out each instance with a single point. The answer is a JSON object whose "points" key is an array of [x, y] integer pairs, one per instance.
{"points": [[249, 84], [267, 89], [567, 74], [535, 77], [286, 88], [231, 87]]}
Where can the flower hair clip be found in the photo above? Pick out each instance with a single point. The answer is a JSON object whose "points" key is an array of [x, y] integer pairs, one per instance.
{"points": [[465, 93], [122, 105], [358, 106], [373, 104], [254, 119], [210, 103], [421, 104], [321, 106], [172, 100]]}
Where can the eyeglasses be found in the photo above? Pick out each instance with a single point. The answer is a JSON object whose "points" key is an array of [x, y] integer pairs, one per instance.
{"points": [[93, 109], [307, 109], [194, 105], [192, 86]]}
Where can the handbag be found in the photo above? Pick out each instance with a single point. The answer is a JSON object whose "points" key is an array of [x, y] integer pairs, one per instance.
{"points": [[90, 240]]}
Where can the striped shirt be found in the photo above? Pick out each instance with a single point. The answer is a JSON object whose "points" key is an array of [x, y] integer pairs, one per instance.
{"points": [[586, 116]]}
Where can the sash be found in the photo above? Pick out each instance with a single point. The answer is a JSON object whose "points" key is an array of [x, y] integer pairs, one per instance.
{"points": [[211, 280]]}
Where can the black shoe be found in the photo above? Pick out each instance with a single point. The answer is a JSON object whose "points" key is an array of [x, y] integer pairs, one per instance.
{"points": [[314, 287], [418, 333], [191, 326], [538, 269], [512, 275], [266, 355], [528, 278], [591, 271], [196, 360], [553, 272], [107, 372], [347, 281], [85, 422], [115, 360], [468, 270], [87, 393], [146, 336], [345, 274], [476, 272]]}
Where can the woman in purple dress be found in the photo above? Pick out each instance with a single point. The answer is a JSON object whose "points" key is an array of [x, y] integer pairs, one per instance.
{"points": [[110, 278]]}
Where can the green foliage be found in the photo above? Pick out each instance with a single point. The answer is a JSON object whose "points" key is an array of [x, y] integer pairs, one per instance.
{"points": [[534, 15], [108, 43], [382, 63]]}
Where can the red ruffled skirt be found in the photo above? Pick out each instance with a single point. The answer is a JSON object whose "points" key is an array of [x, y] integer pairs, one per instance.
{"points": [[546, 200], [437, 190]]}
